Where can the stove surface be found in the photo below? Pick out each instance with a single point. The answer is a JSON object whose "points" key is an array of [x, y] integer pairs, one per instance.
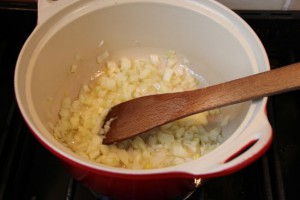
{"points": [[29, 171]]}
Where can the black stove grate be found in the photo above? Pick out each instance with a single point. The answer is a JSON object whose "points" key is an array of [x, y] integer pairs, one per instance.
{"points": [[29, 171]]}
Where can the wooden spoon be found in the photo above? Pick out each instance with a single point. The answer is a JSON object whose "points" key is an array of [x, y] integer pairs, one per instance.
{"points": [[136, 116]]}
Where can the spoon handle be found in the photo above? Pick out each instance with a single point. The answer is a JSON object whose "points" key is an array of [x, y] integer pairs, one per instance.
{"points": [[264, 84], [145, 113]]}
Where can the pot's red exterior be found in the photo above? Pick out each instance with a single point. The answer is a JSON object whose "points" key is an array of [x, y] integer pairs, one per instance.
{"points": [[131, 187]]}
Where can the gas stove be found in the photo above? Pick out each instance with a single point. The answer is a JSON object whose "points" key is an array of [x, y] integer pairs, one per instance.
{"points": [[29, 171]]}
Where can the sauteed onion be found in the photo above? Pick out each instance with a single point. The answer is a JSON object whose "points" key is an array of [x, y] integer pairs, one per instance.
{"points": [[80, 125]]}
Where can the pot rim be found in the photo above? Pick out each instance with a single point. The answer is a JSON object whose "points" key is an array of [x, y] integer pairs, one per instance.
{"points": [[260, 137]]}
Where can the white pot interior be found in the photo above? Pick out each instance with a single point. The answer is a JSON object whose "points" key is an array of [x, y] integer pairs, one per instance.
{"points": [[219, 46]]}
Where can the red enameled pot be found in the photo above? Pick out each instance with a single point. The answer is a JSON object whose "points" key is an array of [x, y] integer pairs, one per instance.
{"points": [[220, 47]]}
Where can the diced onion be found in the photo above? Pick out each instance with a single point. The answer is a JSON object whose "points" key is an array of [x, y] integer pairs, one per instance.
{"points": [[80, 126]]}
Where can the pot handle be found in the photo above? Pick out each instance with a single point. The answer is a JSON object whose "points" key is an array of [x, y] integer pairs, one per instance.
{"points": [[251, 146], [47, 8], [239, 152]]}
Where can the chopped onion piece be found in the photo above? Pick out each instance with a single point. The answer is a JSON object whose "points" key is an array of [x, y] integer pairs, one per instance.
{"points": [[102, 57]]}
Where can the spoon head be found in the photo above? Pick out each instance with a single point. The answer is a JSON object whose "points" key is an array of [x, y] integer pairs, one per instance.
{"points": [[139, 115]]}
